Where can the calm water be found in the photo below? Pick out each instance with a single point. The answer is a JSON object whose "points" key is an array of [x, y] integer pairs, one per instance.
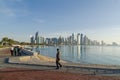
{"points": [[109, 55]]}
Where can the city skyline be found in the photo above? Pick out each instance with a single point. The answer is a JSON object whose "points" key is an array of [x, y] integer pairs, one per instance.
{"points": [[73, 39], [98, 19]]}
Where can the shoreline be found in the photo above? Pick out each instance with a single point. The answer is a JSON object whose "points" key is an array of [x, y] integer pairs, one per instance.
{"points": [[48, 62], [43, 58], [48, 72], [38, 58], [45, 64]]}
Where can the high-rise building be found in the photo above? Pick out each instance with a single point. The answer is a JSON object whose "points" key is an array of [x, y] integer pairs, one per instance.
{"points": [[60, 40], [41, 40], [81, 39], [54, 41], [114, 44], [85, 40], [47, 41], [102, 43], [78, 39], [37, 40], [70, 40], [36, 37], [32, 41], [73, 38], [66, 41]]}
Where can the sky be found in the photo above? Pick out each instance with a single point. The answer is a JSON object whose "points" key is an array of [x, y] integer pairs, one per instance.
{"points": [[97, 19]]}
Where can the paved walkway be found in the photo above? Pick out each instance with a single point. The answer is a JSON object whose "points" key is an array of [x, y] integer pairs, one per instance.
{"points": [[73, 68]]}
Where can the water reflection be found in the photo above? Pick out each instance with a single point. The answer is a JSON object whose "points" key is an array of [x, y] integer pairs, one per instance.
{"points": [[74, 53], [78, 52], [83, 54], [69, 53]]}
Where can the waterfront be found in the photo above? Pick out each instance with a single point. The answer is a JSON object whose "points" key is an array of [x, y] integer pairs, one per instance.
{"points": [[108, 55], [83, 72]]}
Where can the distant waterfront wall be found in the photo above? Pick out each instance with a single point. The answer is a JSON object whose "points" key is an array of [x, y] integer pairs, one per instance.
{"points": [[28, 52]]}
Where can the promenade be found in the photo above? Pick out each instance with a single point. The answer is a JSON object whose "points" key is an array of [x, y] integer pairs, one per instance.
{"points": [[45, 70]]}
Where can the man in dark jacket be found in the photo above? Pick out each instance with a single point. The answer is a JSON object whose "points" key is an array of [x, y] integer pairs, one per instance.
{"points": [[58, 59]]}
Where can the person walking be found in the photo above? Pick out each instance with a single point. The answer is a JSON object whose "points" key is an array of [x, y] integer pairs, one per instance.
{"points": [[58, 64], [16, 51], [11, 50], [20, 51]]}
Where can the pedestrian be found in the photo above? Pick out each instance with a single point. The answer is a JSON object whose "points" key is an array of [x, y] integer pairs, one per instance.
{"points": [[20, 51], [11, 50], [16, 51], [58, 64]]}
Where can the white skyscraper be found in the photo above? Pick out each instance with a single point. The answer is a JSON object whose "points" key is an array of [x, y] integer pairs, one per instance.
{"points": [[85, 40], [78, 39], [73, 39]]}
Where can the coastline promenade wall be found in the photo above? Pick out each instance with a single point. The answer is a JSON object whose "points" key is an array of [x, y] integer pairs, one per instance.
{"points": [[30, 57], [38, 59], [26, 57], [29, 53]]}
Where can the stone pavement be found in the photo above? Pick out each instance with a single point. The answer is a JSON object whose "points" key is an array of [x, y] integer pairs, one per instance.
{"points": [[69, 67]]}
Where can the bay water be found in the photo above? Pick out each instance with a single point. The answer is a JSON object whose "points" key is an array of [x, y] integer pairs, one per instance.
{"points": [[108, 55]]}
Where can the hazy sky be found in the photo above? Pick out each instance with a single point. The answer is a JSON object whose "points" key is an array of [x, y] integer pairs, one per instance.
{"points": [[98, 19]]}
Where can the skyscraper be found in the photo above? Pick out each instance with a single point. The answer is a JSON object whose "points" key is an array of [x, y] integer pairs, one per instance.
{"points": [[32, 41], [72, 38], [41, 40], [36, 37], [102, 43], [81, 39], [37, 40], [78, 39], [85, 40]]}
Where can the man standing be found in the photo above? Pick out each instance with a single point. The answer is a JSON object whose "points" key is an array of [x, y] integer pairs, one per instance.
{"points": [[12, 48], [58, 59]]}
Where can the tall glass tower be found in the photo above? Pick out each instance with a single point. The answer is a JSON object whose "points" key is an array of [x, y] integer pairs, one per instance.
{"points": [[72, 38], [32, 39], [81, 39], [78, 39], [37, 37]]}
